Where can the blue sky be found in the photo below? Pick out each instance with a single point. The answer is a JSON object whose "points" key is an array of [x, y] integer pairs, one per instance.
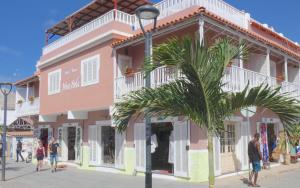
{"points": [[23, 24]]}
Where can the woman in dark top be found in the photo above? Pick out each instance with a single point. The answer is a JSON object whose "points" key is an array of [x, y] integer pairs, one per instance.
{"points": [[40, 154]]}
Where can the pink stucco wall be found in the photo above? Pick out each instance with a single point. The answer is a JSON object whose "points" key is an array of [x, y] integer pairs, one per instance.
{"points": [[93, 97]]}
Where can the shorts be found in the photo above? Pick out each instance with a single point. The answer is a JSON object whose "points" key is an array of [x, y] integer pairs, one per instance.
{"points": [[39, 158], [53, 157], [256, 166]]}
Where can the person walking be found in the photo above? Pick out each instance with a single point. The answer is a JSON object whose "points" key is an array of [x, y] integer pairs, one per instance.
{"points": [[255, 157], [19, 151], [40, 154], [53, 146]]}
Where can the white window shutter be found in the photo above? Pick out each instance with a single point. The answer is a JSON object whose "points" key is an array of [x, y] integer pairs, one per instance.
{"points": [[140, 146], [217, 155], [90, 70], [245, 138], [99, 145], [119, 149], [64, 147], [180, 148], [93, 144]]}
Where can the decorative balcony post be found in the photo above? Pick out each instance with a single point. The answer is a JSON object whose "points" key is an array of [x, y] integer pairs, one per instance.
{"points": [[268, 65], [201, 30], [286, 69], [241, 73], [27, 91]]}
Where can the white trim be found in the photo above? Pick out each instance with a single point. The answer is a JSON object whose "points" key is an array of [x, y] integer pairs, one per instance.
{"points": [[103, 123], [70, 124], [83, 46], [234, 119], [270, 120], [115, 75], [43, 126], [50, 74], [88, 61]]}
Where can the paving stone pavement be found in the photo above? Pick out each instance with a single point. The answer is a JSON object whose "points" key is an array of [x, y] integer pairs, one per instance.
{"points": [[24, 176]]}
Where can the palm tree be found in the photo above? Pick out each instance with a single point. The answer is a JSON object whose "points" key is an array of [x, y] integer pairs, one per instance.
{"points": [[197, 91]]}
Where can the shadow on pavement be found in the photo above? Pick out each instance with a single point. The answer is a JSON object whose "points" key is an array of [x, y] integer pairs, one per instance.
{"points": [[16, 177]]}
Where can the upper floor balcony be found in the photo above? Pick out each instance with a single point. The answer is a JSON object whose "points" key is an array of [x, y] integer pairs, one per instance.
{"points": [[235, 80], [27, 97], [166, 7]]}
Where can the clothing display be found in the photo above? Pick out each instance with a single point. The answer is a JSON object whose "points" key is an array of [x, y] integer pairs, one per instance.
{"points": [[154, 143]]}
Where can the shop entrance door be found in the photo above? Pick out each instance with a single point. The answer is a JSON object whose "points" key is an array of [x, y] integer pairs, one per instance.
{"points": [[108, 145], [71, 143], [44, 139], [227, 149]]}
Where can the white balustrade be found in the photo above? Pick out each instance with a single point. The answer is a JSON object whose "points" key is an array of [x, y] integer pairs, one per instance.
{"points": [[235, 79], [219, 7], [26, 108], [113, 15]]}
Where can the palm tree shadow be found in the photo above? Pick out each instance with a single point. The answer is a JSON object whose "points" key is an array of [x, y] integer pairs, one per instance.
{"points": [[245, 181]]}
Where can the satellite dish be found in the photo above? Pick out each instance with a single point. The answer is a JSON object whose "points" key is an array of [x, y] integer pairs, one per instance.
{"points": [[249, 111]]}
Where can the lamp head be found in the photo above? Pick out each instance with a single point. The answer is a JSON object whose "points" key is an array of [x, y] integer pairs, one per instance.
{"points": [[6, 88], [147, 12]]}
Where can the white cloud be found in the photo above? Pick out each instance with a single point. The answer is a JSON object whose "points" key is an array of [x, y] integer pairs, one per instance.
{"points": [[9, 51], [50, 23]]}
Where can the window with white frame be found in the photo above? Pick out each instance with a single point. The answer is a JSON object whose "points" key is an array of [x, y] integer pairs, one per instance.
{"points": [[54, 79], [90, 70]]}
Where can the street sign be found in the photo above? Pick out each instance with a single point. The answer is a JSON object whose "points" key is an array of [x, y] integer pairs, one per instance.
{"points": [[249, 111]]}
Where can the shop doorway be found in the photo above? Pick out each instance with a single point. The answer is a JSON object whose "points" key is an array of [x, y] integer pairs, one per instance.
{"points": [[71, 143], [162, 148], [227, 149], [44, 139], [108, 145]]}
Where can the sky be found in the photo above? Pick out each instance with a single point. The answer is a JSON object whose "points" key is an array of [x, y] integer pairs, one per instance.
{"points": [[23, 23]]}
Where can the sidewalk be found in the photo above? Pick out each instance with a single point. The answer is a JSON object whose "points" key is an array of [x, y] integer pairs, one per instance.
{"points": [[24, 175]]}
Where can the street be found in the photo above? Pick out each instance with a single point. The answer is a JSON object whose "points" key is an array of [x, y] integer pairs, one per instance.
{"points": [[24, 175]]}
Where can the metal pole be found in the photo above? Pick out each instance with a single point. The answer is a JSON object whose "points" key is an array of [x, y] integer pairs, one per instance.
{"points": [[148, 174], [4, 138]]}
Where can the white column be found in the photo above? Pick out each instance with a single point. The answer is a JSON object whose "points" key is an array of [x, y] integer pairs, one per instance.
{"points": [[27, 92], [201, 30], [267, 62], [286, 69], [241, 73], [115, 71]]}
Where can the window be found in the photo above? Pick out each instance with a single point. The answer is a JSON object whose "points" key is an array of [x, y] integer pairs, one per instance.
{"points": [[90, 70], [54, 79], [228, 139]]}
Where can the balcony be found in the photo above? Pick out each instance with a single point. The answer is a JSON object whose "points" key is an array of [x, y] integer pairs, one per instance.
{"points": [[235, 79], [218, 7], [28, 107], [113, 15], [166, 8]]}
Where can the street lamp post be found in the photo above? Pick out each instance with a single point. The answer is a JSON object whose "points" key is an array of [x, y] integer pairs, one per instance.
{"points": [[148, 12], [5, 89]]}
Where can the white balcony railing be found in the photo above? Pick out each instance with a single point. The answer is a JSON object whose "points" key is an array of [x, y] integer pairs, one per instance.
{"points": [[235, 79], [27, 108], [166, 8], [113, 15], [219, 7]]}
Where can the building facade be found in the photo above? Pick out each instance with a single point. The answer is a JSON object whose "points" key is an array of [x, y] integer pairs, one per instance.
{"points": [[98, 59]]}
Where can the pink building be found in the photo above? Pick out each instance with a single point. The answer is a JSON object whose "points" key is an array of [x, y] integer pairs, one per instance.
{"points": [[98, 59]]}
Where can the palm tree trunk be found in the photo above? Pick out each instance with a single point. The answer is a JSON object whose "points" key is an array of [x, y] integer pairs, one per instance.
{"points": [[211, 159]]}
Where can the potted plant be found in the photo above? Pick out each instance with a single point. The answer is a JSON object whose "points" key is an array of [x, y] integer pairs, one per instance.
{"points": [[31, 99], [128, 71], [20, 101], [281, 78]]}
